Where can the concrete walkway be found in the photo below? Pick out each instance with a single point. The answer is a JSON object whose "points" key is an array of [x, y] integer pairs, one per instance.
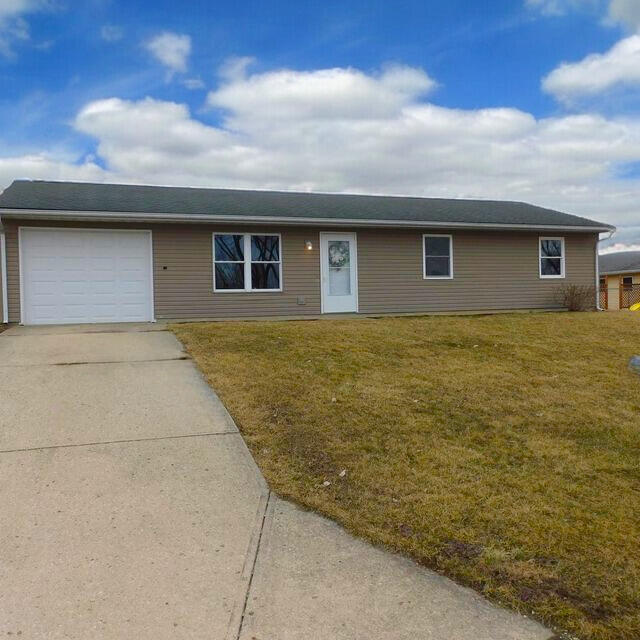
{"points": [[131, 508]]}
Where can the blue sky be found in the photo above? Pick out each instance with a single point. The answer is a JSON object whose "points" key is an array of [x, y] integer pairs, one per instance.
{"points": [[535, 100]]}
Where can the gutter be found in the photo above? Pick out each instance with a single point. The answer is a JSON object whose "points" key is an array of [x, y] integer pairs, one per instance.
{"points": [[615, 273], [126, 216]]}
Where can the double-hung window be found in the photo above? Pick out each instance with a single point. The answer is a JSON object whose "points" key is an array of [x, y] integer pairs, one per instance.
{"points": [[437, 251], [551, 257], [247, 262]]}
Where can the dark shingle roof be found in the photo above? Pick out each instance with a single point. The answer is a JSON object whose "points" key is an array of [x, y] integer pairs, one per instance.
{"points": [[135, 199], [619, 262]]}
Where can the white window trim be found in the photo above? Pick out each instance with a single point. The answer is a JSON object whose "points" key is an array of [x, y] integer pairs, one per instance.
{"points": [[561, 256], [424, 256], [247, 261]]}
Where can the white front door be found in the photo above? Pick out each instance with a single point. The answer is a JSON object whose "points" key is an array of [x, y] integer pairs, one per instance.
{"points": [[70, 276], [339, 272]]}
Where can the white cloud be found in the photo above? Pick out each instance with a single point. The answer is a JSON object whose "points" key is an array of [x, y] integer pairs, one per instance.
{"points": [[343, 130], [193, 83], [560, 7], [235, 67], [620, 66], [619, 246], [325, 94], [16, 7], [13, 26], [42, 166], [171, 49], [111, 32], [626, 12]]}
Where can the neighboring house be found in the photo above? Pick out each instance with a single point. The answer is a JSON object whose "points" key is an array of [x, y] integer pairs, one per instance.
{"points": [[114, 253], [619, 279]]}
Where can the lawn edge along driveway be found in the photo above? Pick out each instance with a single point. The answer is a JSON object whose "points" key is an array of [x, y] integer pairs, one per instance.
{"points": [[499, 450]]}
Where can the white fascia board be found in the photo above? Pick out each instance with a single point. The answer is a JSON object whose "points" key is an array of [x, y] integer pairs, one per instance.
{"points": [[125, 216]]}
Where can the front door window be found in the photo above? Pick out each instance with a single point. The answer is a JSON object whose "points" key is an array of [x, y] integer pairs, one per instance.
{"points": [[339, 268], [338, 256]]}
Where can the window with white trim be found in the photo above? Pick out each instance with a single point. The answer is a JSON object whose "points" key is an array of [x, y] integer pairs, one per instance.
{"points": [[437, 254], [551, 253], [247, 262]]}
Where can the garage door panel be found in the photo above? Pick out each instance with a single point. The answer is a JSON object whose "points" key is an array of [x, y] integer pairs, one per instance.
{"points": [[132, 275], [102, 263], [131, 313], [44, 264], [77, 276], [43, 287], [73, 287], [133, 262], [74, 314], [109, 314], [128, 275], [72, 267], [45, 312], [131, 290], [100, 288], [39, 241], [74, 300]]}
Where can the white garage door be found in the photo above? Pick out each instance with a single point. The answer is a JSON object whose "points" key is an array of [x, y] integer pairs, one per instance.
{"points": [[77, 275]]}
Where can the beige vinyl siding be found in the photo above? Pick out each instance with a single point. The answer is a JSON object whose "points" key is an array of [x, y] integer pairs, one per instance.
{"points": [[491, 271], [1, 283], [185, 288], [13, 274]]}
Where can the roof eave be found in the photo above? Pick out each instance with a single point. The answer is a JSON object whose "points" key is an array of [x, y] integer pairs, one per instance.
{"points": [[618, 272], [130, 216]]}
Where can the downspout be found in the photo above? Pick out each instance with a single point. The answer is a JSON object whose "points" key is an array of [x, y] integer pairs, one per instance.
{"points": [[598, 307], [3, 285]]}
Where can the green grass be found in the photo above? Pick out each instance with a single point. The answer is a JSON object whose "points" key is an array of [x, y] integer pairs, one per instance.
{"points": [[503, 451]]}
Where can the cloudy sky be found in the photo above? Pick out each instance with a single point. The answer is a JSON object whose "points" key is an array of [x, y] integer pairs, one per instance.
{"points": [[535, 100]]}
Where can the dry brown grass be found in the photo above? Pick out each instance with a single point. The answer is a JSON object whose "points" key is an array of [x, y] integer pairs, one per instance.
{"points": [[503, 450]]}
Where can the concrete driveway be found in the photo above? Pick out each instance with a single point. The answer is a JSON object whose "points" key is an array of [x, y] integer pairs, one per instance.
{"points": [[131, 508]]}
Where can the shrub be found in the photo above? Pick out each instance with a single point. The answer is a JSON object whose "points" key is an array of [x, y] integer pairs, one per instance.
{"points": [[576, 297]]}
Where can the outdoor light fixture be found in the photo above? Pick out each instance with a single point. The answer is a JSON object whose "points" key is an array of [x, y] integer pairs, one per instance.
{"points": [[309, 245]]}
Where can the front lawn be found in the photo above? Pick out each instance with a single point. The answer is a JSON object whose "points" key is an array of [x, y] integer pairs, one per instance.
{"points": [[503, 451]]}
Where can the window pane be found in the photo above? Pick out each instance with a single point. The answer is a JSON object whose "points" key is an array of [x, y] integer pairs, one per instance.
{"points": [[265, 276], [339, 253], [551, 266], [339, 281], [438, 267], [229, 275], [551, 248], [229, 247], [265, 248], [437, 246]]}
